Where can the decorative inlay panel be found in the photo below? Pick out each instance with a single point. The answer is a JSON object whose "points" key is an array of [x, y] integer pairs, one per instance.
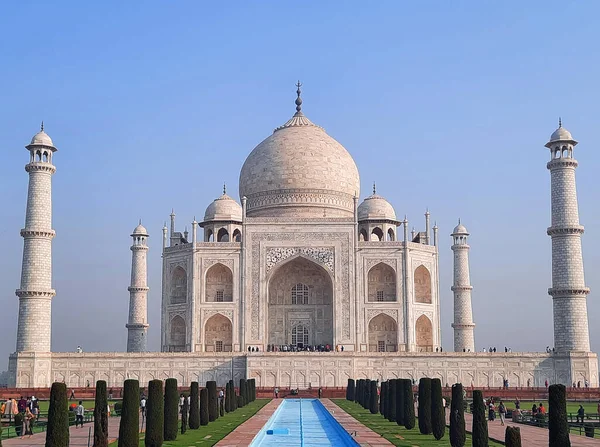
{"points": [[206, 263], [323, 255], [210, 313], [373, 262], [371, 313]]}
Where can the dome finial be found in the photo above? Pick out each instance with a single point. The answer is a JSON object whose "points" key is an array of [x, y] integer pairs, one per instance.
{"points": [[140, 222], [224, 188], [298, 99], [559, 122], [374, 189], [459, 220], [42, 126]]}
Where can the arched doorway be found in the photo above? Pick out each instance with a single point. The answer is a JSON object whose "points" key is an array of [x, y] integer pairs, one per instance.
{"points": [[219, 284], [300, 305], [383, 334], [424, 331], [178, 286], [422, 285], [218, 334], [178, 335], [382, 283]]}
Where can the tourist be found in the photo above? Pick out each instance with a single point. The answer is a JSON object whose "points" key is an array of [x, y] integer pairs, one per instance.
{"points": [[27, 429], [221, 396], [491, 411], [22, 404], [35, 408], [598, 408], [108, 410], [517, 403], [502, 412], [143, 407], [534, 410], [541, 409], [587, 384], [79, 412], [277, 393], [546, 383], [72, 394], [110, 394], [580, 413], [320, 392], [181, 402]]}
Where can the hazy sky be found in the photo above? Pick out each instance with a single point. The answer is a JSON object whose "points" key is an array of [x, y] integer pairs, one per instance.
{"points": [[154, 105]]}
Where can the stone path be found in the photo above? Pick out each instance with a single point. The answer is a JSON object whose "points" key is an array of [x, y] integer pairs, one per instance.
{"points": [[530, 436], [361, 434], [78, 437], [243, 435]]}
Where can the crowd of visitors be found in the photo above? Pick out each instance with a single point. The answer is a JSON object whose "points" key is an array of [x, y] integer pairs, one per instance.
{"points": [[29, 408], [304, 348]]}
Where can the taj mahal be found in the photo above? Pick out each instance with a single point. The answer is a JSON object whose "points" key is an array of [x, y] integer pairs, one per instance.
{"points": [[301, 283]]}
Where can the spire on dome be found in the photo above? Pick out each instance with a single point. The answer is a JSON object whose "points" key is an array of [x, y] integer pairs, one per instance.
{"points": [[374, 189], [298, 99], [42, 126], [224, 188], [559, 122]]}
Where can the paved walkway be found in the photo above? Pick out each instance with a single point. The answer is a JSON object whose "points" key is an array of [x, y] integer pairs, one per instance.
{"points": [[362, 434], [530, 436], [78, 436], [243, 435]]}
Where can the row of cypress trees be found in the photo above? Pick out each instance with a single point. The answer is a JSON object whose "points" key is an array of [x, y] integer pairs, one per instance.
{"points": [[162, 411]]}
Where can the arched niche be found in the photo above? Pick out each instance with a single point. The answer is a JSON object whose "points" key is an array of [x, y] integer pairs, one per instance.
{"points": [[424, 334], [178, 286], [218, 334], [381, 283], [219, 284], [383, 334], [177, 335], [422, 285]]}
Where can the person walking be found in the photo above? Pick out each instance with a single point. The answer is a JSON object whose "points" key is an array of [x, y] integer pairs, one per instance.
{"points": [[277, 394], [79, 412], [28, 419], [502, 411], [143, 408], [580, 413]]}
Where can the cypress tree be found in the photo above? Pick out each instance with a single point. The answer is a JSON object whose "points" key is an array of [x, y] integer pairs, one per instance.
{"points": [[350, 390], [425, 405], [367, 394], [383, 398], [253, 389], [100, 416], [204, 406], [457, 417], [409, 405], [171, 409], [480, 429], [399, 401], [155, 414], [557, 416], [222, 408], [357, 391], [233, 396], [227, 396], [391, 412], [213, 408], [374, 401], [184, 415], [57, 432], [129, 427], [242, 401], [438, 413], [194, 421], [512, 437]]}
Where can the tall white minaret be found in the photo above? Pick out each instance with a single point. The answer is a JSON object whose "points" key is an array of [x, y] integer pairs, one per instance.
{"points": [[568, 292], [464, 338], [36, 293], [137, 326]]}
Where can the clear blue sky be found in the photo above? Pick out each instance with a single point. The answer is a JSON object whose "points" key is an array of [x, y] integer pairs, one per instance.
{"points": [[154, 105]]}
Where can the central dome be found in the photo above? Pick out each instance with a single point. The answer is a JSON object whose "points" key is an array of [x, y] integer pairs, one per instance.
{"points": [[299, 171]]}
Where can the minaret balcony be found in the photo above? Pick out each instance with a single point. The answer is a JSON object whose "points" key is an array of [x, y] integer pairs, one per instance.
{"points": [[48, 294], [31, 232], [461, 288], [565, 229], [558, 292], [40, 167], [138, 289], [562, 163]]}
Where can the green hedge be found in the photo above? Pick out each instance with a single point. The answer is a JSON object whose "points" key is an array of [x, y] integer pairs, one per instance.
{"points": [[399, 401], [171, 410], [350, 390], [100, 415], [213, 408], [204, 406], [373, 398], [242, 402], [425, 406], [155, 414], [438, 412], [480, 428], [57, 431], [194, 421], [391, 411], [557, 416], [512, 437], [129, 427], [457, 417], [409, 406]]}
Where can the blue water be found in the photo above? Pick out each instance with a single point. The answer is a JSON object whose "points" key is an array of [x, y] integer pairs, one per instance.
{"points": [[302, 422]]}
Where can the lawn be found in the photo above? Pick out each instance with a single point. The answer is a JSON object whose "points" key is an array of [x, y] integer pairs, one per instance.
{"points": [[394, 433], [212, 433]]}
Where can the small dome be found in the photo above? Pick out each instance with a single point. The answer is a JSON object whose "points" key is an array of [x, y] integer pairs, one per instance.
{"points": [[140, 230], [561, 134], [460, 229], [42, 138], [376, 207], [223, 208]]}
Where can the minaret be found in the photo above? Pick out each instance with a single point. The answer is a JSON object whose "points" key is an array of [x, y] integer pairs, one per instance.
{"points": [[464, 338], [568, 292], [36, 293], [137, 326]]}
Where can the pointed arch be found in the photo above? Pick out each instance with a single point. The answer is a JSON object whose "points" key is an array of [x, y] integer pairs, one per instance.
{"points": [[383, 334], [178, 286], [237, 235], [424, 334], [177, 334], [219, 284], [363, 236], [422, 280], [377, 234], [381, 283], [391, 235], [218, 334], [223, 235], [209, 235]]}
